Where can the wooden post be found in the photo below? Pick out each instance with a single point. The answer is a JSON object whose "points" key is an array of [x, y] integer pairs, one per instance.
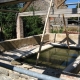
{"points": [[60, 4], [67, 35], [26, 6], [44, 31], [19, 28]]}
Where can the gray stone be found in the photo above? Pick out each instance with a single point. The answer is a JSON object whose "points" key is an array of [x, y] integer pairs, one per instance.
{"points": [[4, 71], [32, 78], [23, 79], [13, 62], [24, 76], [20, 78], [13, 75], [4, 77], [27, 66]]}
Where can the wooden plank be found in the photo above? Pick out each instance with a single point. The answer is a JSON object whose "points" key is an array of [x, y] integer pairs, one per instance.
{"points": [[67, 35], [33, 13], [66, 12], [55, 4], [6, 2], [2, 10], [26, 6], [61, 3], [66, 15], [42, 38], [58, 11]]}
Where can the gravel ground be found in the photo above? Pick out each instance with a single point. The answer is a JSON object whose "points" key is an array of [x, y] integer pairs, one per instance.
{"points": [[6, 74], [8, 57]]}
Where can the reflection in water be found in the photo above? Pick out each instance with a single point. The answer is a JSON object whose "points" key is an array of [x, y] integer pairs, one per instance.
{"points": [[54, 57]]}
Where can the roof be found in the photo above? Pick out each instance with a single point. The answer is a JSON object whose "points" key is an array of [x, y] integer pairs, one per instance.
{"points": [[13, 1]]}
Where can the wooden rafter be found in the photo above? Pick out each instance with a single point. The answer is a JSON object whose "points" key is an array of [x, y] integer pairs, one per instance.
{"points": [[60, 4], [26, 6], [55, 3], [6, 2], [23, 9], [2, 10]]}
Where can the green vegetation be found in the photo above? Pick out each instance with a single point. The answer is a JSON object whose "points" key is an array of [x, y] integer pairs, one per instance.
{"points": [[57, 30], [8, 22], [73, 29], [32, 25]]}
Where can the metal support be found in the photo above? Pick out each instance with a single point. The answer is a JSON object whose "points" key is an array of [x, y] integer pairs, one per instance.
{"points": [[28, 72]]}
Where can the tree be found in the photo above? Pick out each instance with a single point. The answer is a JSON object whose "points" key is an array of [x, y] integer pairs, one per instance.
{"points": [[33, 25], [8, 22]]}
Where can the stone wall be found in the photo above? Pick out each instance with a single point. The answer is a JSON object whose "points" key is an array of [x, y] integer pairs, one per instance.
{"points": [[61, 38], [35, 40], [18, 43], [40, 5]]}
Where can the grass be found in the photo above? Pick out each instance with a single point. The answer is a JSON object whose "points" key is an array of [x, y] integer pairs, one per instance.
{"points": [[62, 30]]}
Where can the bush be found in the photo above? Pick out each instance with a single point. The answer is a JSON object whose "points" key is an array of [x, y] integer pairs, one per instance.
{"points": [[32, 25]]}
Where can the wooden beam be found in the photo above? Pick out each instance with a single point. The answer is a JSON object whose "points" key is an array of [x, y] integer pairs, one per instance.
{"points": [[8, 2], [47, 16], [51, 15], [67, 13], [31, 13], [26, 6], [2, 10], [55, 4], [4, 1], [58, 11], [67, 35], [60, 4]]}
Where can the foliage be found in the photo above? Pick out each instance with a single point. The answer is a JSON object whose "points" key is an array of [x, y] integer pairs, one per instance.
{"points": [[57, 30], [32, 25], [72, 28], [8, 21]]}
